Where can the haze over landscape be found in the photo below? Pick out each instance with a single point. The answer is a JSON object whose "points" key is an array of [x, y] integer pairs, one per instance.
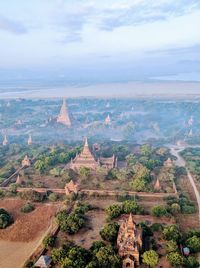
{"points": [[99, 134]]}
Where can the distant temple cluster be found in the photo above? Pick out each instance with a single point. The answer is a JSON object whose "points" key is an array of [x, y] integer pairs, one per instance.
{"points": [[86, 159], [129, 243]]}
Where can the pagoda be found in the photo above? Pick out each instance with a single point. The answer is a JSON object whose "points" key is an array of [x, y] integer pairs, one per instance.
{"points": [[72, 187], [26, 162], [157, 186], [63, 117], [30, 140], [86, 159], [5, 141], [108, 120], [18, 180], [129, 243]]}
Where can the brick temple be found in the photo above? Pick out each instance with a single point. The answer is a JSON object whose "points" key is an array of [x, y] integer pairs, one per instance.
{"points": [[86, 159], [63, 117]]}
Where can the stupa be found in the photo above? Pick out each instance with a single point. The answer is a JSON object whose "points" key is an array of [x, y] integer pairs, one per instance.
{"points": [[26, 162], [129, 243], [5, 141], [157, 186], [30, 140], [63, 117], [108, 120], [72, 187], [18, 180]]}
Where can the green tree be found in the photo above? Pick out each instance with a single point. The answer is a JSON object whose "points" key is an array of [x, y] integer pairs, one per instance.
{"points": [[40, 165], [150, 258], [175, 259], [130, 206], [191, 262], [175, 208], [5, 218], [28, 207], [109, 232], [96, 245], [49, 241], [158, 211], [107, 258], [138, 185], [114, 211], [171, 246], [193, 243], [146, 150], [171, 232]]}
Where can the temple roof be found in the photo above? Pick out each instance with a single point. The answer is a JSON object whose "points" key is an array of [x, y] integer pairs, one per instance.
{"points": [[130, 223]]}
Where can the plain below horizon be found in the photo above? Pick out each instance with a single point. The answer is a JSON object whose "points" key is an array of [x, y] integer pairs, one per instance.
{"points": [[129, 89]]}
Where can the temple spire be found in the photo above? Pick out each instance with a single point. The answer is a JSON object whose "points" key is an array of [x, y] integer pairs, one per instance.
{"points": [[157, 185], [30, 140], [108, 120], [130, 223], [63, 117], [5, 141]]}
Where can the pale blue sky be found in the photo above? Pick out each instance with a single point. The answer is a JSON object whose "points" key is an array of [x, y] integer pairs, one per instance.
{"points": [[109, 40]]}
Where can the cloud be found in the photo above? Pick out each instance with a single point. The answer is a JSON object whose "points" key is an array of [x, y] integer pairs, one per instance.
{"points": [[12, 26], [74, 15]]}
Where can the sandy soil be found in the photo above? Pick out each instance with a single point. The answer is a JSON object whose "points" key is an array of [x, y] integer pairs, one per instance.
{"points": [[19, 240]]}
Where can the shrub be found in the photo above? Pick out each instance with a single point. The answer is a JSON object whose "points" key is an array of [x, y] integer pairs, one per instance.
{"points": [[193, 243], [175, 259], [159, 211], [49, 241], [110, 231], [150, 258], [130, 206], [53, 197], [114, 211], [5, 218], [28, 207], [32, 195], [171, 233]]}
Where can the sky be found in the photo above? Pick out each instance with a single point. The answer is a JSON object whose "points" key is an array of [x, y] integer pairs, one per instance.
{"points": [[100, 40]]}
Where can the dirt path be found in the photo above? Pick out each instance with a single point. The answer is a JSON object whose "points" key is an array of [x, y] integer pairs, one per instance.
{"points": [[181, 162]]}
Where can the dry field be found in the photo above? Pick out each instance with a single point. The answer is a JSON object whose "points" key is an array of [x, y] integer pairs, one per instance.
{"points": [[20, 239]]}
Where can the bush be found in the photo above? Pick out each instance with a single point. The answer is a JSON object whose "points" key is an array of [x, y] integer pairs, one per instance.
{"points": [[114, 211], [159, 211], [156, 227], [175, 259], [109, 232], [130, 206], [53, 197], [191, 262], [150, 258], [193, 243], [49, 241], [32, 195], [5, 218], [28, 207], [171, 232]]}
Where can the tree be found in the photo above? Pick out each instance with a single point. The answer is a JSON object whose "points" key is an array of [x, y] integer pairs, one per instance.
{"points": [[110, 231], [193, 243], [5, 218], [158, 211], [70, 223], [171, 246], [171, 233], [107, 258], [79, 256], [175, 208], [49, 241], [96, 245], [114, 211], [191, 262], [146, 150], [150, 258], [130, 206], [40, 165], [28, 207], [138, 185], [53, 197], [175, 259]]}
